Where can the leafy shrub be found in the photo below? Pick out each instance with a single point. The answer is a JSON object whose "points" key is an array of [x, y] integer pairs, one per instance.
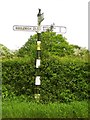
{"points": [[50, 42], [62, 79]]}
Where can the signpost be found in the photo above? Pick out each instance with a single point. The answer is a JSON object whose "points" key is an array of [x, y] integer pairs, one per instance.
{"points": [[39, 29]]}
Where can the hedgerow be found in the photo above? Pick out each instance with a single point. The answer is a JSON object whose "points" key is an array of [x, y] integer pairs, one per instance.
{"points": [[62, 79]]}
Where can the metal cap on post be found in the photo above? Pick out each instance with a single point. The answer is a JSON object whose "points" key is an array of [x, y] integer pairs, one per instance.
{"points": [[39, 13]]}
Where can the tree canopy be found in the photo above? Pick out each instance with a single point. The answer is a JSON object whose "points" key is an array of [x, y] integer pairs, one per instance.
{"points": [[51, 43]]}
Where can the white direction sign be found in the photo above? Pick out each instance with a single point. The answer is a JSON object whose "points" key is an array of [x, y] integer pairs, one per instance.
{"points": [[24, 28], [57, 29]]}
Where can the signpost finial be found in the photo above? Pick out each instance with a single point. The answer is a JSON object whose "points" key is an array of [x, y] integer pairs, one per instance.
{"points": [[39, 13], [39, 10]]}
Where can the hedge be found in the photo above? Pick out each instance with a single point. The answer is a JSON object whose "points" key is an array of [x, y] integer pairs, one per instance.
{"points": [[62, 79]]}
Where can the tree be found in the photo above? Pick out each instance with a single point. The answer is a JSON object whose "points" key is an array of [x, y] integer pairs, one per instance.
{"points": [[51, 43]]}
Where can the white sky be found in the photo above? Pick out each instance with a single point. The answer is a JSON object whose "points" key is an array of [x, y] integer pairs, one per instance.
{"points": [[70, 13]]}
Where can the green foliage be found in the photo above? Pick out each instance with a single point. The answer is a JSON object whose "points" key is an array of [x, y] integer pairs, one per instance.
{"points": [[29, 49], [55, 44], [51, 43], [64, 76], [62, 79], [5, 52], [17, 74]]}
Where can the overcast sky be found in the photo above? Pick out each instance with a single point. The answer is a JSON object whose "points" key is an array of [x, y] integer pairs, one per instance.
{"points": [[70, 13]]}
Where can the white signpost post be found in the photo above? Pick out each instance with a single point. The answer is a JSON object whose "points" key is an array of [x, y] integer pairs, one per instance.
{"points": [[39, 29]]}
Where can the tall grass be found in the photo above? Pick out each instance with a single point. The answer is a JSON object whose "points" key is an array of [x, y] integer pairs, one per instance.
{"points": [[22, 109]]}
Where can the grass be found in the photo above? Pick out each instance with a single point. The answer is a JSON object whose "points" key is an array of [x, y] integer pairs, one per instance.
{"points": [[17, 109]]}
